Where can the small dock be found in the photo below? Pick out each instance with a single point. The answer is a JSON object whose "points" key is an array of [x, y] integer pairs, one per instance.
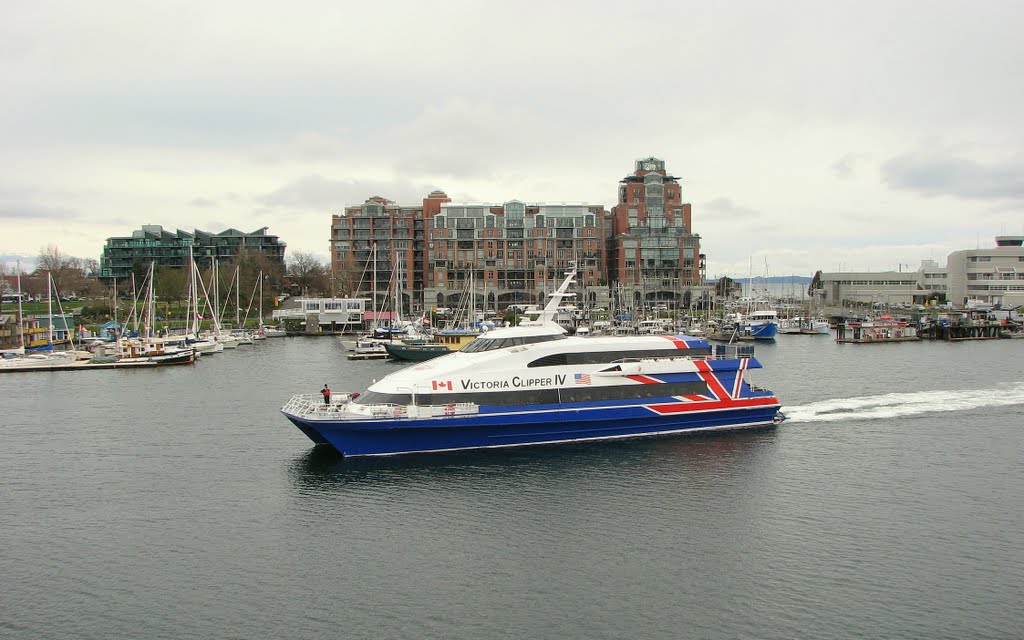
{"points": [[369, 356], [81, 365], [963, 331]]}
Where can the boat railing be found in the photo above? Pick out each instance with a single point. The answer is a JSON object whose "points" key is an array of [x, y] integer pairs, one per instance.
{"points": [[313, 405], [422, 411], [731, 351]]}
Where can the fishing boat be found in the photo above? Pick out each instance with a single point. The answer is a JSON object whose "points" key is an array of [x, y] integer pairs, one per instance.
{"points": [[534, 384], [762, 324], [798, 325]]}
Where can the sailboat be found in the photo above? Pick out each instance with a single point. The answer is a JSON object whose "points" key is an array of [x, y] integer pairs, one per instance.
{"points": [[42, 353], [26, 356], [193, 337], [239, 332], [145, 347], [371, 345], [263, 330], [219, 335], [460, 330]]}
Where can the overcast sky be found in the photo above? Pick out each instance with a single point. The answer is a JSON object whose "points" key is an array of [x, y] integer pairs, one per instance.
{"points": [[807, 135]]}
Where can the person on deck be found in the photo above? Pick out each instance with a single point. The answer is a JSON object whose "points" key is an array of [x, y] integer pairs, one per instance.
{"points": [[327, 394]]}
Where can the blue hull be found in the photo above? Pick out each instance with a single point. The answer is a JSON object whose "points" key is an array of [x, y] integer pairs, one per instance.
{"points": [[766, 331], [521, 426]]}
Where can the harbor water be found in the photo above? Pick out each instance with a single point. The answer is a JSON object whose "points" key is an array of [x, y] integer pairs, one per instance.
{"points": [[178, 502]]}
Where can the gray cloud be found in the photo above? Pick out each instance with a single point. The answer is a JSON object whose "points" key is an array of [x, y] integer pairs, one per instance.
{"points": [[727, 209], [32, 211], [844, 167], [941, 174], [316, 193], [202, 203]]}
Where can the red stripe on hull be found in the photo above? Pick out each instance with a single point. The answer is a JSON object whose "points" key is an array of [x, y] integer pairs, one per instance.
{"points": [[682, 407], [714, 385]]}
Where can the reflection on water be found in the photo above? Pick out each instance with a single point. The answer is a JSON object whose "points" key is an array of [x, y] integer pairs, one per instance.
{"points": [[321, 468]]}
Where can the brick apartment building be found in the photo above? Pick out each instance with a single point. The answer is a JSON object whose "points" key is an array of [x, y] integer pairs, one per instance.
{"points": [[655, 255], [641, 251]]}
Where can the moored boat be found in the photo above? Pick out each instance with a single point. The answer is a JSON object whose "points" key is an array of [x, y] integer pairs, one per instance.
{"points": [[416, 352], [874, 331], [533, 384]]}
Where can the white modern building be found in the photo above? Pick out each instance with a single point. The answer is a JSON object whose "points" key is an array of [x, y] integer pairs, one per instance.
{"points": [[327, 314], [885, 288], [993, 276]]}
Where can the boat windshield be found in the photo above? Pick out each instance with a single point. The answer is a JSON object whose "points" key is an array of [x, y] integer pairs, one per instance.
{"points": [[489, 344]]}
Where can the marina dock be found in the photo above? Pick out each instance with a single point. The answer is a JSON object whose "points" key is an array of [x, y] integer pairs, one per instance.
{"points": [[963, 331], [81, 365], [374, 355]]}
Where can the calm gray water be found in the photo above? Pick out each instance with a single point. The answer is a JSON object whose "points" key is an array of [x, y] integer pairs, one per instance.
{"points": [[179, 503]]}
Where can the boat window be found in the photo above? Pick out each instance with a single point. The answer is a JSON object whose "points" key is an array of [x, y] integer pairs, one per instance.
{"points": [[488, 344], [599, 357], [565, 395], [624, 392], [376, 397]]}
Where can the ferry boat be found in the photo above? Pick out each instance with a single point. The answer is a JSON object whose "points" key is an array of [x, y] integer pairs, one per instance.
{"points": [[534, 384]]}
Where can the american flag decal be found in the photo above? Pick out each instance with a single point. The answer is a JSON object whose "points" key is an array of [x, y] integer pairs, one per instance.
{"points": [[581, 378]]}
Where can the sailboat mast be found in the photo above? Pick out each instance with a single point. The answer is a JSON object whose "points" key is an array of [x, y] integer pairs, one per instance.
{"points": [[21, 316], [194, 319], [373, 256], [397, 316], [216, 292], [49, 309], [238, 308], [113, 295], [135, 300], [151, 301]]}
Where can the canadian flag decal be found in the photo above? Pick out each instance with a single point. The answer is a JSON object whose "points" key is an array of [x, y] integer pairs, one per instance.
{"points": [[441, 385]]}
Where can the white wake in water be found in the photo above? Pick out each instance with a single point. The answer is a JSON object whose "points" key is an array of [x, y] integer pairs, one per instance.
{"points": [[893, 405]]}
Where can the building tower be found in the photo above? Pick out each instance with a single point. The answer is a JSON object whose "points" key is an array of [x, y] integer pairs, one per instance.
{"points": [[655, 256]]}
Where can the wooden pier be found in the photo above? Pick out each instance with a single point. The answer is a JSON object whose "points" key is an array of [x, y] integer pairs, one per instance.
{"points": [[963, 331], [82, 365]]}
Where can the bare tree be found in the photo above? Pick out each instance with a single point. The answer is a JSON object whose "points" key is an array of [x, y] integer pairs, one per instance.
{"points": [[66, 270], [91, 267], [308, 272], [51, 259]]}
